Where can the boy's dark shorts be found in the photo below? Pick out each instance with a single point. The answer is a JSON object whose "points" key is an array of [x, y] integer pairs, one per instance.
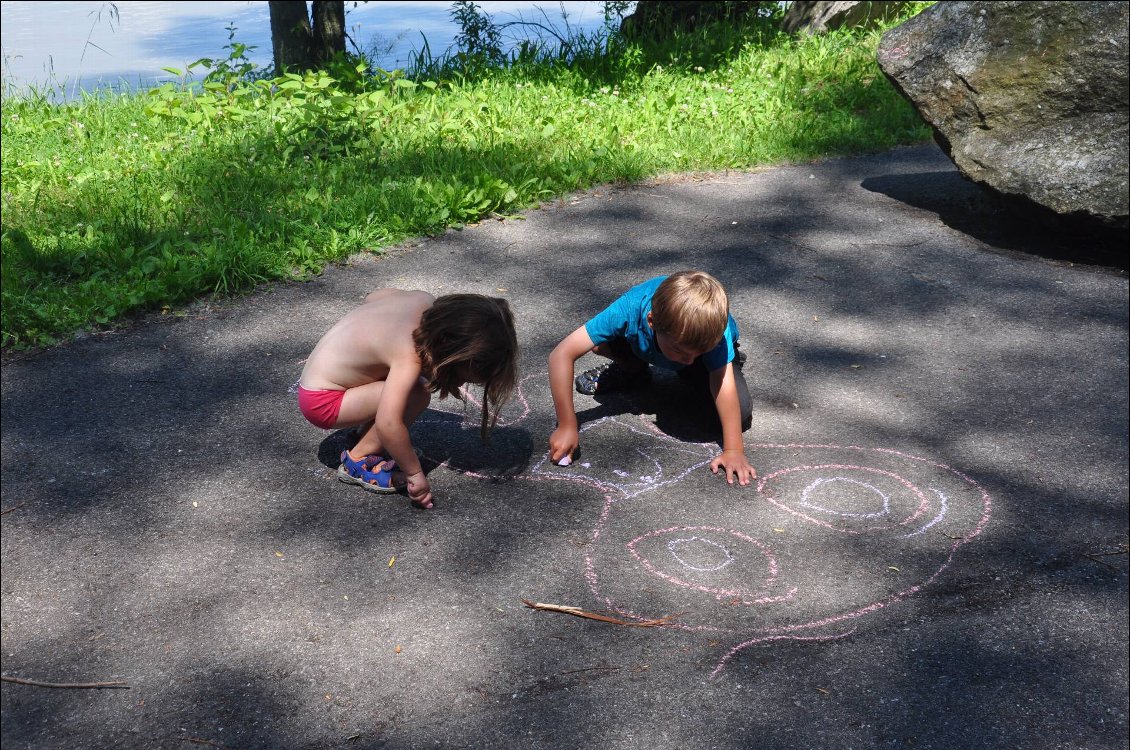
{"points": [[696, 375]]}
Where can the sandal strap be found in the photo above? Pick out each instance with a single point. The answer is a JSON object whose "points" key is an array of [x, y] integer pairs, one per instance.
{"points": [[363, 469], [379, 461]]}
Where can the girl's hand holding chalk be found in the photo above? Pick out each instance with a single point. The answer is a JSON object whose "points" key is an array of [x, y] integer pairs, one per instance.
{"points": [[565, 460]]}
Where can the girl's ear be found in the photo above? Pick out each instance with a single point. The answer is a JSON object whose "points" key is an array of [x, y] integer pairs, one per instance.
{"points": [[649, 325]]}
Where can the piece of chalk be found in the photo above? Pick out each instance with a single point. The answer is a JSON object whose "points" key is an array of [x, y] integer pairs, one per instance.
{"points": [[565, 461]]}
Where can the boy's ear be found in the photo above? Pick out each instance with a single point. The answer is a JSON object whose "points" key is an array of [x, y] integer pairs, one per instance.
{"points": [[649, 325]]}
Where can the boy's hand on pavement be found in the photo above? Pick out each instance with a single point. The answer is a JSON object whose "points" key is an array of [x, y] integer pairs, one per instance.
{"points": [[563, 442], [735, 465], [420, 490]]}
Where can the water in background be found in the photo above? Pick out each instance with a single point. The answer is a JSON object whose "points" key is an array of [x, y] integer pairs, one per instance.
{"points": [[84, 45]]}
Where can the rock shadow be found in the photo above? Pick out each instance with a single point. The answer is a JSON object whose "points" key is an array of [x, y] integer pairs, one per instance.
{"points": [[1000, 222]]}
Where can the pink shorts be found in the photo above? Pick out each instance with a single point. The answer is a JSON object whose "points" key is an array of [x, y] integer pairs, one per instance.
{"points": [[320, 407]]}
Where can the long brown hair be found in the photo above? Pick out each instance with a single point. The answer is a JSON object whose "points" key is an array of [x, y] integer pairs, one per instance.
{"points": [[469, 337]]}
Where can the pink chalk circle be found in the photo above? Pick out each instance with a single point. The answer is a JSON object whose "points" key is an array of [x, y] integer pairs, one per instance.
{"points": [[715, 549], [901, 504], [808, 500], [679, 550]]}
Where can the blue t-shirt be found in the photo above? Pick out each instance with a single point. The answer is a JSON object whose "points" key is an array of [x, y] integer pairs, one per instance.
{"points": [[627, 318]]}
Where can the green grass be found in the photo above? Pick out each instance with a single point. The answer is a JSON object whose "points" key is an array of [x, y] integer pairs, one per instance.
{"points": [[116, 204]]}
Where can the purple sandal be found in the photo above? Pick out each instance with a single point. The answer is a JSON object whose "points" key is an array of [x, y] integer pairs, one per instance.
{"points": [[374, 473]]}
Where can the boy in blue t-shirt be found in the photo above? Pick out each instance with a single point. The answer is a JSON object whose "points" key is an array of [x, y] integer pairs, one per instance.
{"points": [[679, 322]]}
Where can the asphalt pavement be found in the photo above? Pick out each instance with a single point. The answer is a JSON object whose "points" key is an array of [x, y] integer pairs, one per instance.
{"points": [[933, 554]]}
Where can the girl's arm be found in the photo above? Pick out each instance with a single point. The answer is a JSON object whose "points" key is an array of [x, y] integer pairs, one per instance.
{"points": [[733, 459], [390, 421]]}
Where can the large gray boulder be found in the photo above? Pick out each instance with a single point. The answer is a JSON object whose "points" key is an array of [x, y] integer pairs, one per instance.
{"points": [[1028, 98]]}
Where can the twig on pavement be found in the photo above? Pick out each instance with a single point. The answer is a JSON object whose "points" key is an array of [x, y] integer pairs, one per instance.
{"points": [[88, 685], [578, 612]]}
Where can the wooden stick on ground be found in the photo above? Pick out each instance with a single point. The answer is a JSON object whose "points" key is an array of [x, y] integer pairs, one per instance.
{"points": [[578, 612], [40, 683], [198, 741]]}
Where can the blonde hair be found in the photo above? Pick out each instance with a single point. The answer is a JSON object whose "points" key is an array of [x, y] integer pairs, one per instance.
{"points": [[465, 337], [692, 308]]}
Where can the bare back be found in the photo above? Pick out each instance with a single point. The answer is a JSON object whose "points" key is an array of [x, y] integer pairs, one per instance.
{"points": [[367, 343]]}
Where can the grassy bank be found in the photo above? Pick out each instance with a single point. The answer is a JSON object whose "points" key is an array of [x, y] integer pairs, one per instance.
{"points": [[115, 204]]}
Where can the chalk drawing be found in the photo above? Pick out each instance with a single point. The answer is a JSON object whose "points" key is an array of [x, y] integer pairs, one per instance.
{"points": [[939, 517], [757, 595], [826, 537], [675, 545], [470, 408], [804, 498]]}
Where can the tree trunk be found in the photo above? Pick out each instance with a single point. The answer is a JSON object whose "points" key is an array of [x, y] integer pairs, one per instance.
{"points": [[290, 34], [329, 30], [658, 19], [806, 17], [297, 45]]}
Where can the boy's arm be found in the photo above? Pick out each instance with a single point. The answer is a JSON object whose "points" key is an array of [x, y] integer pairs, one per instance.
{"points": [[564, 439], [733, 460]]}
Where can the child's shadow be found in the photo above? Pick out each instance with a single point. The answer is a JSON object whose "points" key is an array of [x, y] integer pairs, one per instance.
{"points": [[680, 411], [329, 450], [444, 438]]}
